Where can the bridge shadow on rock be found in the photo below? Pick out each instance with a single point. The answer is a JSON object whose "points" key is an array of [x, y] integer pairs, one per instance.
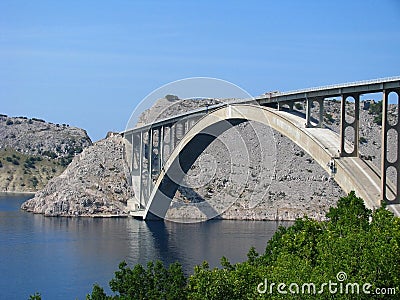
{"points": [[180, 166], [203, 206]]}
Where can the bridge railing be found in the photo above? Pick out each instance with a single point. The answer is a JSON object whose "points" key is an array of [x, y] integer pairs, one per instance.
{"points": [[342, 85]]}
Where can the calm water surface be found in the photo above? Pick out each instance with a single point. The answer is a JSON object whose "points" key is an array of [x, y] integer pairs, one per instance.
{"points": [[62, 257]]}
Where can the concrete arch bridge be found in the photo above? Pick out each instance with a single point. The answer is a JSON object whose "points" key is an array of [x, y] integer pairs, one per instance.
{"points": [[186, 136]]}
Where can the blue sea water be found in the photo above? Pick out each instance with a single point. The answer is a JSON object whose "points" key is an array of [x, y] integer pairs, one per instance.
{"points": [[62, 258]]}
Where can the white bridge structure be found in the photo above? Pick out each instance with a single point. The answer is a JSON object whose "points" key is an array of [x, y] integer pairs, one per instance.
{"points": [[159, 154]]}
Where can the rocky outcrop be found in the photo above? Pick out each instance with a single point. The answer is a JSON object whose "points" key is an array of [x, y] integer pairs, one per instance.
{"points": [[94, 184], [33, 151], [37, 137]]}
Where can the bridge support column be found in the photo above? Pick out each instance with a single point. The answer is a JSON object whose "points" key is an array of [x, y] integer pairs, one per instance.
{"points": [[180, 131], [308, 112], [187, 126], [355, 125], [132, 141], [385, 163], [150, 162], [171, 139], [309, 105], [161, 149], [140, 162]]}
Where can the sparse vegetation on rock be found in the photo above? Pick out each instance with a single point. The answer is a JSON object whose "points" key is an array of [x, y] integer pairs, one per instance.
{"points": [[29, 148]]}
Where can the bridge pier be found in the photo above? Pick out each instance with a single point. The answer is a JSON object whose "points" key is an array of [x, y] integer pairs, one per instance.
{"points": [[149, 160], [176, 139], [160, 149], [135, 161], [355, 125], [385, 163], [309, 105]]}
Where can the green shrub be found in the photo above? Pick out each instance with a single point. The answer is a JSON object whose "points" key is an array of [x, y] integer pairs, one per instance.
{"points": [[50, 154], [38, 120], [329, 118], [34, 181], [153, 282], [29, 163], [35, 296], [298, 106], [375, 108], [378, 119]]}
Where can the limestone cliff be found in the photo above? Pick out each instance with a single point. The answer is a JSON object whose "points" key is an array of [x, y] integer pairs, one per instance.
{"points": [[94, 184]]}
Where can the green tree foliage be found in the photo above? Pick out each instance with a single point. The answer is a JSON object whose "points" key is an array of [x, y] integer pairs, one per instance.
{"points": [[153, 282], [298, 106], [376, 110], [98, 294], [329, 118], [35, 296], [363, 244]]}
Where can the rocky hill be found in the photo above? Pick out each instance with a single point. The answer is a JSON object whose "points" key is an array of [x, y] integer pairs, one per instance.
{"points": [[33, 151], [94, 184]]}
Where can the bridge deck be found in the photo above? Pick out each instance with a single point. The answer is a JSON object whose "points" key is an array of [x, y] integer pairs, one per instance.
{"points": [[362, 175]]}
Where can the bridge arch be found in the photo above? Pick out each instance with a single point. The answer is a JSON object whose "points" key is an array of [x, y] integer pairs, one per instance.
{"points": [[322, 144]]}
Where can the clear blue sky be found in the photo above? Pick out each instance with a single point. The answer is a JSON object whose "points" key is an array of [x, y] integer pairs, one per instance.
{"points": [[89, 63]]}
